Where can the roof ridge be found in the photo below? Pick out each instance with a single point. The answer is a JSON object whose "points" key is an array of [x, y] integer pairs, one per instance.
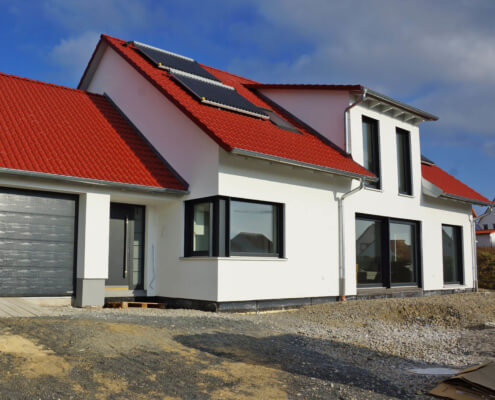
{"points": [[251, 81], [38, 82]]}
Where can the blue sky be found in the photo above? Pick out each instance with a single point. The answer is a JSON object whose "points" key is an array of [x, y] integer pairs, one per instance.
{"points": [[438, 56]]}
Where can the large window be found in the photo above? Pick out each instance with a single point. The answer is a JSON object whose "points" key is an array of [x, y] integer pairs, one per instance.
{"points": [[452, 254], [371, 149], [222, 226], [387, 252], [404, 161]]}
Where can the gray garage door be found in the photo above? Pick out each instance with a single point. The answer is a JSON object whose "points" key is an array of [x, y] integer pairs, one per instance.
{"points": [[37, 243]]}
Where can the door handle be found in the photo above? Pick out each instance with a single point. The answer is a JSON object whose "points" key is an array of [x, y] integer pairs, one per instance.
{"points": [[126, 246]]}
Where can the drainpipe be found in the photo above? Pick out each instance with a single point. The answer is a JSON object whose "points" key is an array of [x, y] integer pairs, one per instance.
{"points": [[474, 247], [341, 238], [347, 119]]}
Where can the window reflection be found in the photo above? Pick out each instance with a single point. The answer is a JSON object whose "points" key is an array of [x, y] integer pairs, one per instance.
{"points": [[368, 251], [402, 253], [252, 228]]}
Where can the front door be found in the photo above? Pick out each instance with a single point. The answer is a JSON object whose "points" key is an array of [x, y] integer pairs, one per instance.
{"points": [[125, 265]]}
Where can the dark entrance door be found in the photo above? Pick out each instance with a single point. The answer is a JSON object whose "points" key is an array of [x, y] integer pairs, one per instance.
{"points": [[125, 265]]}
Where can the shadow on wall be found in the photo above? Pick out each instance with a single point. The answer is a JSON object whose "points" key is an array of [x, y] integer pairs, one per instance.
{"points": [[300, 356]]}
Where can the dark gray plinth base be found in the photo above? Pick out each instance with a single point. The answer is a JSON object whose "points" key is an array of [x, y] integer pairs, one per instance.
{"points": [[90, 292], [284, 304]]}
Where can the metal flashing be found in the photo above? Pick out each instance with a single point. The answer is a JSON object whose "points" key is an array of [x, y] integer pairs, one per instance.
{"points": [[253, 154]]}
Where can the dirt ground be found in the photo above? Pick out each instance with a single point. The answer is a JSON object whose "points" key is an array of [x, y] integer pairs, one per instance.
{"points": [[352, 350]]}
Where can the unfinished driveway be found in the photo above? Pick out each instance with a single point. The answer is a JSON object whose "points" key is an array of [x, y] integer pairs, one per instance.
{"points": [[353, 350]]}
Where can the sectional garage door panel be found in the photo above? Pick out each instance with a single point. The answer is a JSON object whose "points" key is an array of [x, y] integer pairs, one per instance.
{"points": [[37, 243]]}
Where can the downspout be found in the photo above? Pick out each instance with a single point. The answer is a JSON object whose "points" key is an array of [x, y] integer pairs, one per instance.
{"points": [[347, 118], [341, 238], [474, 247]]}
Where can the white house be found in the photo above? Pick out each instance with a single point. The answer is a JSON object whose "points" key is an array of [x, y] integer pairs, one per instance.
{"points": [[166, 179], [485, 230]]}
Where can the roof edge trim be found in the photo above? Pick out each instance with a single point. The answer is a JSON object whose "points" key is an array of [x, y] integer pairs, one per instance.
{"points": [[465, 199], [400, 104], [91, 181], [93, 63], [287, 161]]}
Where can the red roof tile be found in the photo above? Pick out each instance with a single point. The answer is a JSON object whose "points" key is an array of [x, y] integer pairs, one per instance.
{"points": [[52, 129], [485, 231], [451, 185], [237, 131]]}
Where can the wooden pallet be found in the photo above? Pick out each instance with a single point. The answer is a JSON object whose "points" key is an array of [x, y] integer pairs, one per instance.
{"points": [[135, 304]]}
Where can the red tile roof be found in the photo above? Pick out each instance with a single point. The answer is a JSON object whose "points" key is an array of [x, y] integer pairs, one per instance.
{"points": [[237, 131], [450, 185], [52, 129]]}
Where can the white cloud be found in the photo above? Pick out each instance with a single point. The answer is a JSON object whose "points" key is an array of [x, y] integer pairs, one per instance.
{"points": [[71, 55]]}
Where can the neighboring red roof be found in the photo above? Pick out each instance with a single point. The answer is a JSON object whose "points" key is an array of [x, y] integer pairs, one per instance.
{"points": [[485, 231], [52, 129], [451, 185], [237, 131]]}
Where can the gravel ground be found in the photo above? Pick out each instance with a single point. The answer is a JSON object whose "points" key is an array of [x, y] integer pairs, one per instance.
{"points": [[352, 350]]}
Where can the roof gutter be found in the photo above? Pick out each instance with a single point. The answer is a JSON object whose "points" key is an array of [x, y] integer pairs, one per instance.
{"points": [[466, 200], [342, 272], [282, 160], [347, 119], [96, 182]]}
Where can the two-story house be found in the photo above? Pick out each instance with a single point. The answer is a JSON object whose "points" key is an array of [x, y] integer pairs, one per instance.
{"points": [[167, 179]]}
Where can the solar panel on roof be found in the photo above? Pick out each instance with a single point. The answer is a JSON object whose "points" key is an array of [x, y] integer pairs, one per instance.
{"points": [[168, 59], [217, 94]]}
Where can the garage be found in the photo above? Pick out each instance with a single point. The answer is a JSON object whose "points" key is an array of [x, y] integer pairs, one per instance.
{"points": [[37, 243]]}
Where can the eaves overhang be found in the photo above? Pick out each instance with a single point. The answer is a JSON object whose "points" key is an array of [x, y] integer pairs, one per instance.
{"points": [[396, 108], [432, 190], [315, 167], [97, 182]]}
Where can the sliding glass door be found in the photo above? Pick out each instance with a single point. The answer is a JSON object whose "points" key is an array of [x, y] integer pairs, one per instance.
{"points": [[387, 252]]}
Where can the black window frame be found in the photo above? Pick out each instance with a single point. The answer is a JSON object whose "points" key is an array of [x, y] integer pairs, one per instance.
{"points": [[404, 173], [459, 243], [386, 269], [220, 228], [375, 148]]}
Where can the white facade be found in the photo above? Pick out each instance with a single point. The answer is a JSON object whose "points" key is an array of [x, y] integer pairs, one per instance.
{"points": [[310, 266]]}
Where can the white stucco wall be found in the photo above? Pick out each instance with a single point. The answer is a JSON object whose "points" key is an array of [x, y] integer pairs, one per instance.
{"points": [[310, 268], [321, 109], [93, 231]]}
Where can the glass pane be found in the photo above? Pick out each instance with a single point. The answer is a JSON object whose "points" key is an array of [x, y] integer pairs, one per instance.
{"points": [[402, 259], [370, 149], [369, 251], [252, 228], [138, 248], [403, 166], [201, 228], [451, 254]]}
